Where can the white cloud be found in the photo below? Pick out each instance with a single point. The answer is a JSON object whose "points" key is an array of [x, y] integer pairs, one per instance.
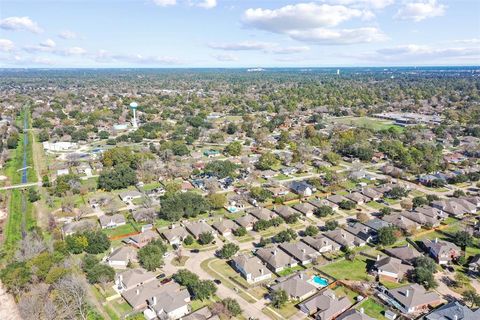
{"points": [[225, 57], [107, 57], [313, 23], [49, 43], [207, 4], [74, 51], [242, 46], [291, 50], [373, 4], [67, 34], [20, 23], [421, 10], [338, 36], [6, 45], [165, 3], [300, 16]]}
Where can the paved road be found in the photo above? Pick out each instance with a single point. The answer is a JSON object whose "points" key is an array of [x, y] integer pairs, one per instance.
{"points": [[21, 185]]}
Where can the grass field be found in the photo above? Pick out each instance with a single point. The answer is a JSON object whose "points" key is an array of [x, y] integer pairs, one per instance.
{"points": [[348, 270], [367, 122], [372, 309]]}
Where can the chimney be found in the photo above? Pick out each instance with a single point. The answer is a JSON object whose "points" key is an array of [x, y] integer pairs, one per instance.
{"points": [[137, 291], [362, 310], [455, 317], [378, 257], [343, 235], [274, 252], [304, 250], [407, 293], [408, 245], [120, 278], [154, 300], [262, 271], [436, 240], [111, 250], [301, 275]]}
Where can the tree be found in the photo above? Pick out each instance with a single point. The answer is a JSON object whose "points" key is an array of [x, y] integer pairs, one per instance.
{"points": [[397, 193], [362, 216], [267, 161], [234, 149], [43, 136], [232, 306], [260, 194], [205, 238], [188, 241], [228, 250], [285, 236], [332, 157], [185, 277], [16, 276], [103, 135], [424, 271], [221, 169], [311, 231], [347, 205], [387, 236], [100, 273], [70, 294], [458, 193], [203, 289], [472, 297], [462, 239], [33, 195], [217, 200], [182, 205], [151, 255], [323, 211], [76, 243], [279, 298], [419, 201], [331, 225], [118, 177], [240, 232], [98, 242]]}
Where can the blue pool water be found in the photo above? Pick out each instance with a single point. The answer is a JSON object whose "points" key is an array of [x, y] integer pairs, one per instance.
{"points": [[232, 209], [320, 281]]}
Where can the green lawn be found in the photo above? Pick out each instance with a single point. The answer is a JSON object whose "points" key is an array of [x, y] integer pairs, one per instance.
{"points": [[367, 122], [122, 230], [347, 270], [287, 271], [342, 291], [372, 309]]}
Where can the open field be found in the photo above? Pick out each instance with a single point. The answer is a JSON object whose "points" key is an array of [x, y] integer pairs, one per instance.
{"points": [[366, 122]]}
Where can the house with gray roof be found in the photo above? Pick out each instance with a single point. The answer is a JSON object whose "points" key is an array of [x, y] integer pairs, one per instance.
{"points": [[357, 197], [197, 228], [247, 221], [420, 218], [413, 298], [132, 278], [120, 257], [171, 302], [336, 199], [296, 286], [225, 227], [262, 213], [284, 211], [401, 222], [323, 202], [345, 238], [391, 269], [276, 259], [443, 252], [305, 208], [453, 311], [79, 226], [321, 243], [251, 268], [325, 305], [137, 297], [474, 265], [405, 253], [361, 231], [113, 221], [300, 251], [142, 239], [128, 196], [354, 314], [371, 194], [175, 235], [455, 207]]}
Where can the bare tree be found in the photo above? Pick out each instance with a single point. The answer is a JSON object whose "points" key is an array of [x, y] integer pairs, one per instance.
{"points": [[30, 246], [71, 297]]}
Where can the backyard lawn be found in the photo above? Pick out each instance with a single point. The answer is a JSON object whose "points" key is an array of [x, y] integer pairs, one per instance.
{"points": [[373, 309], [347, 270]]}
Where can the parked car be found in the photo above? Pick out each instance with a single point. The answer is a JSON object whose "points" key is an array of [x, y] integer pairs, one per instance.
{"points": [[217, 281], [194, 251]]}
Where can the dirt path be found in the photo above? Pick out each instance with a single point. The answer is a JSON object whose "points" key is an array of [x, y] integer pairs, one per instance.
{"points": [[8, 308]]}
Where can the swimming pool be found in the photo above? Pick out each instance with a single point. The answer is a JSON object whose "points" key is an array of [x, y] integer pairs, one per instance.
{"points": [[320, 281]]}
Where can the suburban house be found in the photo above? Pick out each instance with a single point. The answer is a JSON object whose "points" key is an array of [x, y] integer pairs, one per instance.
{"points": [[361, 231], [405, 253], [137, 297], [276, 259], [323, 202], [251, 268], [474, 265], [345, 238], [433, 213], [357, 197], [262, 213], [455, 207], [132, 278], [175, 235], [305, 208], [321, 243], [301, 188], [412, 298], [284, 211], [354, 314], [453, 311], [197, 228], [325, 305], [142, 239], [391, 269], [336, 199], [296, 286], [171, 302], [247, 221], [420, 218], [401, 222], [371, 194], [442, 251], [130, 195], [225, 227], [110, 222], [300, 251], [119, 258], [78, 226]]}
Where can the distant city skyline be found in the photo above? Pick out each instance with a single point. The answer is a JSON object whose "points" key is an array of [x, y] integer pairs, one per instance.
{"points": [[223, 33]]}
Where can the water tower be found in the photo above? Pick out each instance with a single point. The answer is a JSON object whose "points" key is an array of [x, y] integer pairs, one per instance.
{"points": [[133, 107]]}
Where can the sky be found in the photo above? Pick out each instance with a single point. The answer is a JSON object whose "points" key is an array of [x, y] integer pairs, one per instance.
{"points": [[238, 33]]}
